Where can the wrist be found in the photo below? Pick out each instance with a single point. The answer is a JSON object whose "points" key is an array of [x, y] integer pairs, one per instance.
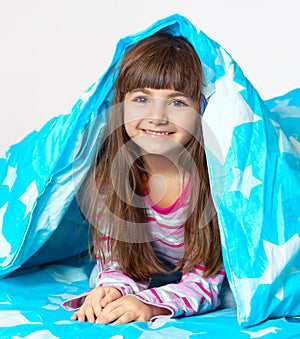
{"points": [[158, 311]]}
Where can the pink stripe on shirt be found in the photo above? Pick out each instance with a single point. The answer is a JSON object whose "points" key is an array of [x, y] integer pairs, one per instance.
{"points": [[203, 289], [153, 291]]}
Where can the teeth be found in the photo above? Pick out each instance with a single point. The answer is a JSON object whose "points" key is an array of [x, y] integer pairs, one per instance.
{"points": [[157, 133]]}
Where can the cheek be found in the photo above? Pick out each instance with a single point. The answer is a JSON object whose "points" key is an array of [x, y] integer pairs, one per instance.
{"points": [[132, 119], [129, 112], [128, 128], [185, 137], [184, 118], [128, 120], [186, 124], [131, 127]]}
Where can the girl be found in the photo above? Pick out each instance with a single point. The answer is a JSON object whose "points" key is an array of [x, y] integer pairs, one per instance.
{"points": [[154, 226]]}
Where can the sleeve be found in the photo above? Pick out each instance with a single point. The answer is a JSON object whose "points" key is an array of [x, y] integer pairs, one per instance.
{"points": [[194, 294], [109, 274]]}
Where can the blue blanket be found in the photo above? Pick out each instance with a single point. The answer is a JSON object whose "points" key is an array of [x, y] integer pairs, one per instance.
{"points": [[253, 152], [30, 307]]}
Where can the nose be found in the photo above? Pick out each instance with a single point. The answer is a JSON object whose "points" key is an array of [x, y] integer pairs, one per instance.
{"points": [[158, 114]]}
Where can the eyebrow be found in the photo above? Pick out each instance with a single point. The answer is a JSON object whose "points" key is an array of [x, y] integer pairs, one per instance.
{"points": [[171, 95], [177, 94]]}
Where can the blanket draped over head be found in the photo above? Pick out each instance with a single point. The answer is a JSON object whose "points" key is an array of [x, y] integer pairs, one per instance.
{"points": [[253, 149]]}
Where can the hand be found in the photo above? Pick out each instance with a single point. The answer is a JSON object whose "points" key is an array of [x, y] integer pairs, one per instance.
{"points": [[95, 301], [127, 309]]}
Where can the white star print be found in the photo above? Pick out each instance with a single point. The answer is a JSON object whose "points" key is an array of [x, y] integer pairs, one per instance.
{"points": [[6, 155], [29, 197], [174, 332], [284, 102], [262, 332], [296, 145], [244, 181], [286, 145], [284, 110], [67, 275], [5, 246], [65, 296], [226, 110], [10, 177], [223, 58], [160, 322], [282, 255], [208, 87], [280, 265], [10, 318], [41, 334]]}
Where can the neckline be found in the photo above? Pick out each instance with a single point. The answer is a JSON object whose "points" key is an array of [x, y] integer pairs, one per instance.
{"points": [[167, 210]]}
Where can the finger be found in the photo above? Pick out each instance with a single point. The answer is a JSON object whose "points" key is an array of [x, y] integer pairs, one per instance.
{"points": [[109, 315], [89, 313], [96, 304], [74, 316], [111, 296], [124, 319], [81, 314]]}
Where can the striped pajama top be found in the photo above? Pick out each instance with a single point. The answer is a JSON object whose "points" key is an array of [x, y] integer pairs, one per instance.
{"points": [[193, 294]]}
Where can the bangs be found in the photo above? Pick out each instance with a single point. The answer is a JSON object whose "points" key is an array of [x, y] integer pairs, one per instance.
{"points": [[170, 63]]}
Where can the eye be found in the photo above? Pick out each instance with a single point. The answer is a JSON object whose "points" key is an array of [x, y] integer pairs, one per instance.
{"points": [[141, 99], [178, 103]]}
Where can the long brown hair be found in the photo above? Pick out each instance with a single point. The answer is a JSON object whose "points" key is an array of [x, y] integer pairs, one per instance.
{"points": [[161, 61]]}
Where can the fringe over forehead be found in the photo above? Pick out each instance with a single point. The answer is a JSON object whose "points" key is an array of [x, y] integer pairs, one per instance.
{"points": [[161, 61]]}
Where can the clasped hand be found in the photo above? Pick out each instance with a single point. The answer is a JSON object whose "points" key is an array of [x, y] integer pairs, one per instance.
{"points": [[105, 305]]}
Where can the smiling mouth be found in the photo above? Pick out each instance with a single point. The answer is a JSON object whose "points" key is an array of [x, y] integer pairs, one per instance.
{"points": [[158, 133]]}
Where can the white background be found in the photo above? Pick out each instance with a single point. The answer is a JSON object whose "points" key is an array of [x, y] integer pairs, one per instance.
{"points": [[53, 50]]}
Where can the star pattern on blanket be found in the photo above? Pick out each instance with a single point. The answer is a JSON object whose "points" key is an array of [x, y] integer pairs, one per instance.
{"points": [[13, 318], [5, 246], [174, 332], [208, 86], [223, 58], [286, 145], [263, 332], [244, 181], [282, 255], [285, 110], [274, 274], [225, 111], [284, 102], [10, 177], [296, 145], [42, 334], [29, 197], [6, 155], [160, 322]]}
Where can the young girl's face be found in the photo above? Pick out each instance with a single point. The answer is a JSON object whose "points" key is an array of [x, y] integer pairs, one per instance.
{"points": [[159, 121]]}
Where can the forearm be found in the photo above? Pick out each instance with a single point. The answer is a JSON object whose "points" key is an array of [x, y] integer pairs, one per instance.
{"points": [[119, 280], [110, 277], [192, 295]]}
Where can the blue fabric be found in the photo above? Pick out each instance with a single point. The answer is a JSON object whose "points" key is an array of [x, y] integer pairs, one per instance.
{"points": [[30, 307], [253, 156]]}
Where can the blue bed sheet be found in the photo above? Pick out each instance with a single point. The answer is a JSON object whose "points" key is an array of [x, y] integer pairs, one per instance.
{"points": [[30, 307]]}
